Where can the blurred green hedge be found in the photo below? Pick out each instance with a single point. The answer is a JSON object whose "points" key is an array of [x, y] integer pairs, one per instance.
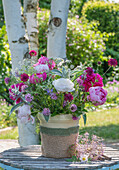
{"points": [[107, 14]]}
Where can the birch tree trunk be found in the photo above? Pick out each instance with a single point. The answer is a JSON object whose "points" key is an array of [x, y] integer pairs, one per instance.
{"points": [[30, 15], [56, 43], [15, 31]]}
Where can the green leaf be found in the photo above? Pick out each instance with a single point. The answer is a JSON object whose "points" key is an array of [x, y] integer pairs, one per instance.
{"points": [[84, 119], [46, 118], [57, 72], [69, 160], [15, 107]]}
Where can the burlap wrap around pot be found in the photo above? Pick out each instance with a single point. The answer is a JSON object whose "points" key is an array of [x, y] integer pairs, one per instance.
{"points": [[57, 135]]}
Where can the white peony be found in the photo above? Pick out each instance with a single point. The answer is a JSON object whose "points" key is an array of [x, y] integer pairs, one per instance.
{"points": [[63, 85], [41, 68]]}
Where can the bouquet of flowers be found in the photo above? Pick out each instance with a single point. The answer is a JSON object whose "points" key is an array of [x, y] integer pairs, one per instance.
{"points": [[50, 87]]}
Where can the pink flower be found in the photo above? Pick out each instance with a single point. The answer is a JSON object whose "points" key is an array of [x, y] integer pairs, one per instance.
{"points": [[14, 96], [23, 88], [53, 96], [44, 60], [97, 95], [112, 62], [37, 78], [24, 77], [68, 97], [24, 114], [89, 71], [80, 81], [73, 108], [28, 97], [7, 80], [46, 111], [92, 80], [74, 117], [33, 53]]}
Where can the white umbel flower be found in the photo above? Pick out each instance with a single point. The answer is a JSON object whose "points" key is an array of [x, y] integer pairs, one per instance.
{"points": [[41, 68], [63, 85]]}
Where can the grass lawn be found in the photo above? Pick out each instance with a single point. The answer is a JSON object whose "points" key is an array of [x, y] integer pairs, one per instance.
{"points": [[104, 123]]}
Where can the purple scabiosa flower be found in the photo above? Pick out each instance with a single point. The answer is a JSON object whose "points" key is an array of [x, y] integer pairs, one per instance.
{"points": [[64, 103], [73, 108], [7, 80], [99, 63], [46, 111], [74, 117], [112, 62], [53, 96], [80, 81], [28, 97]]}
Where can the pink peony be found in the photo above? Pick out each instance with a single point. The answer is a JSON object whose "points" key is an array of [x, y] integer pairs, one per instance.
{"points": [[97, 95], [37, 78], [112, 62], [14, 96], [33, 53], [24, 77]]}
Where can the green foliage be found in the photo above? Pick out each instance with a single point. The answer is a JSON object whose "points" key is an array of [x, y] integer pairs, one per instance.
{"points": [[113, 92], [1, 15], [107, 14], [5, 119], [45, 4], [76, 7], [84, 42], [43, 17], [5, 63]]}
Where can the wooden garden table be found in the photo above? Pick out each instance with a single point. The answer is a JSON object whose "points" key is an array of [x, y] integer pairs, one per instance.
{"points": [[29, 158]]}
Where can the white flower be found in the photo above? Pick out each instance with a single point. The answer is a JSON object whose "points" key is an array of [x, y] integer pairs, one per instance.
{"points": [[24, 114], [83, 158], [63, 85], [41, 68]]}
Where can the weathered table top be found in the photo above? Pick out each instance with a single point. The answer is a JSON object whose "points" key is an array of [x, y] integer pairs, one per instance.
{"points": [[29, 158]]}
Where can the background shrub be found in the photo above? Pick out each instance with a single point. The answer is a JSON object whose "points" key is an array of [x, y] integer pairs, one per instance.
{"points": [[5, 63], [107, 14]]}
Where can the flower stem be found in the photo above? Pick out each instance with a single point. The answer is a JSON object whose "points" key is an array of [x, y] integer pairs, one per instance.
{"points": [[106, 71]]}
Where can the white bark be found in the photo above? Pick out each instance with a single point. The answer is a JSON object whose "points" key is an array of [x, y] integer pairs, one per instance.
{"points": [[16, 32], [56, 44], [30, 14]]}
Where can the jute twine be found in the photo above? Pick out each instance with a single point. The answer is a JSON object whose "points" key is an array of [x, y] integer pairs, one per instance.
{"points": [[56, 146]]}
